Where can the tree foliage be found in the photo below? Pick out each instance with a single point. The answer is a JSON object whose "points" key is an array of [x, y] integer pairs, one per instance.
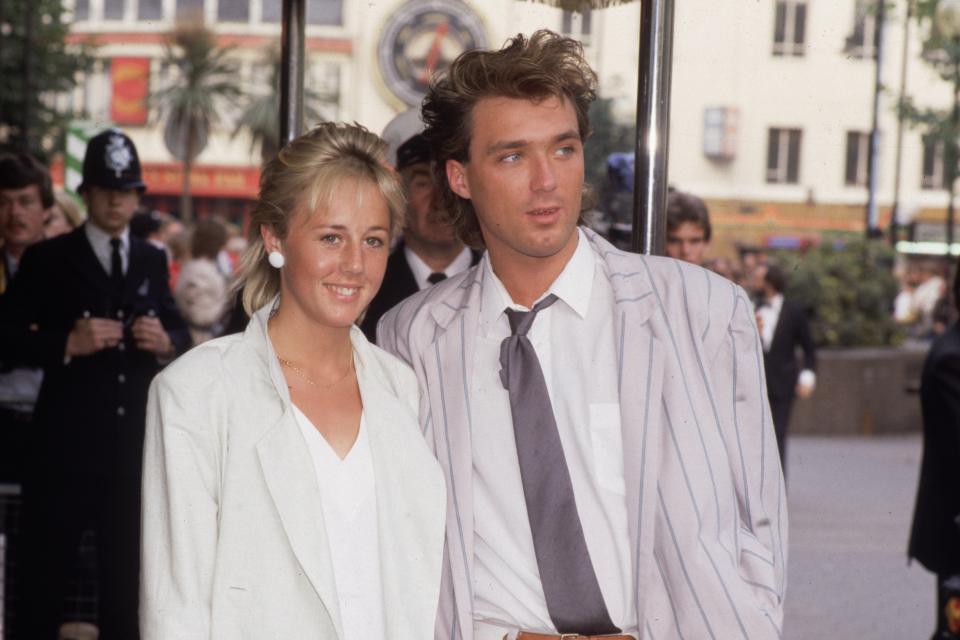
{"points": [[260, 117], [204, 81], [607, 136], [848, 288], [36, 67]]}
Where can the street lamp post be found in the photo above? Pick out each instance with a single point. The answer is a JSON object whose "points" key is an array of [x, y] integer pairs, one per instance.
{"points": [[948, 22]]}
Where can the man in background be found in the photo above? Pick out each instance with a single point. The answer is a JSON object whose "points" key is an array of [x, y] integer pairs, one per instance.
{"points": [[783, 327], [935, 537], [688, 227], [93, 308], [429, 250]]}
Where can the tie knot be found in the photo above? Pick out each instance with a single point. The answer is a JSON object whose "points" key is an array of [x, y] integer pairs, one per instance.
{"points": [[521, 321], [434, 278], [115, 243]]}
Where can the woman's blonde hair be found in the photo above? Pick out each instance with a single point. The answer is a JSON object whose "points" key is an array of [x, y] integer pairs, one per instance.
{"points": [[301, 177]]}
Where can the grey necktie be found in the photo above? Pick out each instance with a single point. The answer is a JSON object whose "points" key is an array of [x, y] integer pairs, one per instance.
{"points": [[570, 585]]}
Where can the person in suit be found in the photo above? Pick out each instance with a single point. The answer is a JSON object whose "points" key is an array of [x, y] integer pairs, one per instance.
{"points": [[287, 490], [25, 194], [783, 328], [429, 250], [599, 415], [935, 534], [93, 309], [688, 227]]}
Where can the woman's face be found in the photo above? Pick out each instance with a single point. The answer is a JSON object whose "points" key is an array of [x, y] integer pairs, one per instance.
{"points": [[335, 257], [56, 223]]}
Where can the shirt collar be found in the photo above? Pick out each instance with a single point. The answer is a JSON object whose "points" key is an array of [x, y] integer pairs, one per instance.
{"points": [[421, 271], [100, 239], [573, 286]]}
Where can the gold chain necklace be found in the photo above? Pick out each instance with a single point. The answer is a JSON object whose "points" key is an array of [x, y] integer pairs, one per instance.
{"points": [[297, 370]]}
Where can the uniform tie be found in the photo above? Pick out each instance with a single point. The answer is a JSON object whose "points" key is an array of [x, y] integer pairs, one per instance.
{"points": [[116, 265]]}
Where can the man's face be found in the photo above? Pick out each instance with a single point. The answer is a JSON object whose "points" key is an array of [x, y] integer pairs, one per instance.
{"points": [[424, 226], [22, 216], [524, 177], [111, 209], [687, 242]]}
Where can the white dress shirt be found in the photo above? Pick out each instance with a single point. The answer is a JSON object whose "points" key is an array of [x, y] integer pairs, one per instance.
{"points": [[574, 340], [348, 498], [421, 271], [100, 242]]}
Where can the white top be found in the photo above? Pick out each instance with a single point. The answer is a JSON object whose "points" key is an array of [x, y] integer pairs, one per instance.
{"points": [[574, 340], [421, 271], [100, 242], [348, 498]]}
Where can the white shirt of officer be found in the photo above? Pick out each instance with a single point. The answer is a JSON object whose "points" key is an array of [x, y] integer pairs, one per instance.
{"points": [[100, 243], [574, 341]]}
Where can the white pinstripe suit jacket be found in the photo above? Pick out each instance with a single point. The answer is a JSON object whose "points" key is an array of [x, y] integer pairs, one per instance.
{"points": [[705, 494]]}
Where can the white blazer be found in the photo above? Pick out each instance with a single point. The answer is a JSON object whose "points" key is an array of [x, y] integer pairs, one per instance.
{"points": [[234, 544], [705, 495]]}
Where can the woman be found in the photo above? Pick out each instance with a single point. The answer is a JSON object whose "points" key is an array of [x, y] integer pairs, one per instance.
{"points": [[287, 492], [201, 293], [63, 217]]}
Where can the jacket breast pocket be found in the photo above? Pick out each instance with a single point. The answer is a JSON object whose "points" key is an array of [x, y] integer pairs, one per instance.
{"points": [[607, 443]]}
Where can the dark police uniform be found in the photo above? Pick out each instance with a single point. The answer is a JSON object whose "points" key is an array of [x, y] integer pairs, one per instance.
{"points": [[85, 449]]}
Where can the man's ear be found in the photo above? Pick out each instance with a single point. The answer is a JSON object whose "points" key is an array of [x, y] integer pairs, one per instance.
{"points": [[457, 178]]}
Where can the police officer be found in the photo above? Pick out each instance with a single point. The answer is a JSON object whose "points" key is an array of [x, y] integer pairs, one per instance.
{"points": [[93, 308]]}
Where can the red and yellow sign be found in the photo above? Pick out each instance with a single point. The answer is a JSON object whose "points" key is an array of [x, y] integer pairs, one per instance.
{"points": [[223, 182], [131, 86]]}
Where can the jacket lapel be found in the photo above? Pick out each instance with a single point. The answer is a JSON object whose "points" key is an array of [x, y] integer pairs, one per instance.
{"points": [[448, 367], [136, 277], [640, 363], [86, 264], [410, 506], [291, 480]]}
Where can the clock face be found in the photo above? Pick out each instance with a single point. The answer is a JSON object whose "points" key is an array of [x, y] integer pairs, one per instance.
{"points": [[423, 37]]}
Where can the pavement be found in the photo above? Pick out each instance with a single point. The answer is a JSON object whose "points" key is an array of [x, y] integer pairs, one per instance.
{"points": [[851, 504]]}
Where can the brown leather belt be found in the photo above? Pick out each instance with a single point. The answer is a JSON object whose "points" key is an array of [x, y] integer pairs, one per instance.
{"points": [[526, 635]]}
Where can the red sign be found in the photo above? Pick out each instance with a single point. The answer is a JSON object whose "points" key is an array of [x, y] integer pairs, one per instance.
{"points": [[224, 182], [131, 86]]}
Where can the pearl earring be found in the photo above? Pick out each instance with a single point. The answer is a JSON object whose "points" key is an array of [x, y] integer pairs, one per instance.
{"points": [[276, 259]]}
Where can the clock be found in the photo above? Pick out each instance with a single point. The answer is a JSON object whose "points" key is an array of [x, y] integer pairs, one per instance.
{"points": [[421, 38]]}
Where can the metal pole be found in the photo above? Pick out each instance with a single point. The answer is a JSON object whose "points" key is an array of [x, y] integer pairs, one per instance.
{"points": [[653, 126], [895, 213], [873, 227], [292, 37]]}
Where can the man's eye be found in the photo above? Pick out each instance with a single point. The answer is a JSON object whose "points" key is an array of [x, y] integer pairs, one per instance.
{"points": [[566, 151], [513, 157]]}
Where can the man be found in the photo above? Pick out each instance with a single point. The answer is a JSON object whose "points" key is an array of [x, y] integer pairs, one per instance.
{"points": [[93, 308], [783, 328], [688, 227], [25, 195], [610, 465], [935, 538], [429, 250]]}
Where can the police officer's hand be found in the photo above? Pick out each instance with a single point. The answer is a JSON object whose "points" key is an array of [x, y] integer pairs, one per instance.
{"points": [[151, 336], [90, 335]]}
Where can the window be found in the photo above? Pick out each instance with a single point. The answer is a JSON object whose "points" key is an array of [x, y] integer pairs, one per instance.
{"points": [[328, 12], [149, 10], [233, 11], [113, 9], [783, 156], [576, 24], [860, 43], [191, 9], [720, 132], [933, 176], [858, 158], [789, 28], [81, 10]]}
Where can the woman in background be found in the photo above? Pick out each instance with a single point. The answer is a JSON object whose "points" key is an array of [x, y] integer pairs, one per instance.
{"points": [[201, 293], [287, 490]]}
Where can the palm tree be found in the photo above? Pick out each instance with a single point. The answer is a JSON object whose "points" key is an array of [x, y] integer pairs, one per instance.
{"points": [[261, 113], [206, 79]]}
